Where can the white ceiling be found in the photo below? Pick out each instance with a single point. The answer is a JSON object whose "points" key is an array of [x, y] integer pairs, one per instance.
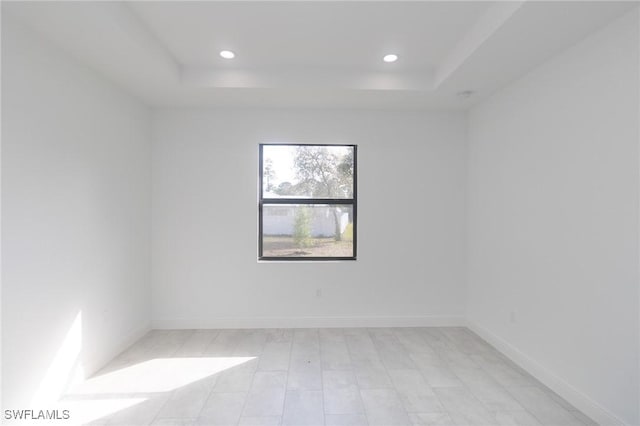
{"points": [[314, 53], [327, 35]]}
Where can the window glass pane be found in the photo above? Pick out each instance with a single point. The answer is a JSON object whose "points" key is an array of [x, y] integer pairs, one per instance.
{"points": [[307, 230], [307, 171]]}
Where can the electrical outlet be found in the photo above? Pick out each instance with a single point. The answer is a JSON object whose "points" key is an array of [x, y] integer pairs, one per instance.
{"points": [[319, 292], [512, 317]]}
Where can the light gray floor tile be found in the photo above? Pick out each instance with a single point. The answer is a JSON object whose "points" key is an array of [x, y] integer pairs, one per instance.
{"points": [[264, 380], [343, 401], [463, 407], [383, 407], [375, 332], [304, 369], [102, 421], [412, 340], [187, 402], [372, 375], [346, 420], [431, 419], [305, 376], [174, 422], [222, 409], [331, 333], [435, 370], [334, 354], [236, 379], [341, 392], [223, 344], [197, 343], [465, 341], [168, 342], [488, 391], [416, 402], [260, 421], [503, 373], [279, 335], [275, 356], [300, 357], [305, 379], [473, 418], [436, 339], [264, 403], [305, 342], [458, 360], [494, 397], [338, 379], [266, 398], [391, 353], [303, 408], [383, 376], [544, 407], [140, 414], [516, 418], [410, 380], [361, 347], [416, 395], [250, 343]]}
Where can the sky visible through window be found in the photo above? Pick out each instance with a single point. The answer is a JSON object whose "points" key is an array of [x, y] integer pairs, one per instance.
{"points": [[281, 160]]}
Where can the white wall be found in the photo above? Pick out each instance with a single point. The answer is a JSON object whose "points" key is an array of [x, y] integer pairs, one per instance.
{"points": [[553, 221], [76, 222], [204, 250]]}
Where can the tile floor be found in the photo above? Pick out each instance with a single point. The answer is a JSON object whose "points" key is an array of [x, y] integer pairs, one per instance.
{"points": [[358, 376]]}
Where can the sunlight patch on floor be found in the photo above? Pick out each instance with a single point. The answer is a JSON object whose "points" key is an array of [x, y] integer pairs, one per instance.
{"points": [[156, 375]]}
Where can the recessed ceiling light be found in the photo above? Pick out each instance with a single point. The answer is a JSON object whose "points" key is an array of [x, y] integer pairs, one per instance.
{"points": [[227, 54], [391, 57]]}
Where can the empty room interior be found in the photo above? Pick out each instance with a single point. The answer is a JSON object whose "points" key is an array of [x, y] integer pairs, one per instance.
{"points": [[320, 213]]}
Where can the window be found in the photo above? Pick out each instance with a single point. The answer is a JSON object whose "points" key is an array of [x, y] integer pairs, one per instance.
{"points": [[307, 204]]}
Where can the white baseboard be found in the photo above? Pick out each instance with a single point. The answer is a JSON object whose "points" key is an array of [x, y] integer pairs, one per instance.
{"points": [[308, 322], [576, 398]]}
